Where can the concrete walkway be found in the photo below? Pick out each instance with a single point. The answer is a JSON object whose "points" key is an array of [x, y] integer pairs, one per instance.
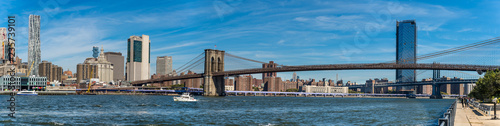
{"points": [[471, 116]]}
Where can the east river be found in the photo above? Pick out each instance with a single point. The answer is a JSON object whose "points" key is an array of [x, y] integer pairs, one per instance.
{"points": [[231, 110]]}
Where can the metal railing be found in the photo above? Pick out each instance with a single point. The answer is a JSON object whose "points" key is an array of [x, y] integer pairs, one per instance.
{"points": [[484, 108], [448, 116]]}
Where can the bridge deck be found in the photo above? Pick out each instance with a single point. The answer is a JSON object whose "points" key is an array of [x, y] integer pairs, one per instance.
{"points": [[432, 66]]}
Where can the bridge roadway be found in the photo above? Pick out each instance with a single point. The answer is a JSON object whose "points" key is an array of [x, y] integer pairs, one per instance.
{"points": [[464, 81], [425, 66]]}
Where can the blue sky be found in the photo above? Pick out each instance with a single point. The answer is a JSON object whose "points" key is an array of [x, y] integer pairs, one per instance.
{"points": [[286, 31]]}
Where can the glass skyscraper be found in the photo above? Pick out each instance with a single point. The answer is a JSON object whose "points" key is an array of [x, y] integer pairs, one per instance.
{"points": [[406, 51]]}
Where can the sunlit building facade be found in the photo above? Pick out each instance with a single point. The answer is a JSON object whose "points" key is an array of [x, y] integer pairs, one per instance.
{"points": [[138, 58]]}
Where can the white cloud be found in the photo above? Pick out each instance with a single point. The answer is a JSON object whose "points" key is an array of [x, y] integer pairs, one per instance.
{"points": [[281, 41], [465, 30], [180, 45]]}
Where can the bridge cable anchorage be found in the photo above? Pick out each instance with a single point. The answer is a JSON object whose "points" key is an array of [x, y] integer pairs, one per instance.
{"points": [[231, 55], [190, 66], [191, 61], [456, 49]]}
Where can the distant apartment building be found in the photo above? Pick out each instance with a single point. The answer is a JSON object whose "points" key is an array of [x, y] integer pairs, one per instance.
{"points": [[138, 58], [51, 71], [406, 51], [163, 65], [271, 64], [257, 82], [34, 52], [425, 89], [370, 86], [117, 61], [229, 84], [273, 84], [457, 89], [85, 72], [243, 83], [192, 83]]}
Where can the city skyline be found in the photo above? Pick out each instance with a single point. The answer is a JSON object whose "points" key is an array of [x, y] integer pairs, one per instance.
{"points": [[301, 37]]}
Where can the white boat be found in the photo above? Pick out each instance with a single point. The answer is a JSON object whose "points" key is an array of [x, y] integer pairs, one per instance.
{"points": [[27, 93], [185, 97]]}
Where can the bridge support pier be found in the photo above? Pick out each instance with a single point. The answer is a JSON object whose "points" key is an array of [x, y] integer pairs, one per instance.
{"points": [[214, 62], [436, 92], [436, 88]]}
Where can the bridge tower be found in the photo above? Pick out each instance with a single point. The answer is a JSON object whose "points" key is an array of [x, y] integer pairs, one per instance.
{"points": [[436, 88], [214, 62]]}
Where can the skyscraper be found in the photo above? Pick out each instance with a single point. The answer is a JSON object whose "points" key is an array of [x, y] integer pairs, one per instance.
{"points": [[95, 51], [294, 78], [117, 60], [34, 53], [163, 65], [138, 58], [406, 51], [3, 40]]}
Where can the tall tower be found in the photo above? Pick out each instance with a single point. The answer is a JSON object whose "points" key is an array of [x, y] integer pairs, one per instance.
{"points": [[3, 40], [117, 60], [34, 53], [406, 51], [95, 51], [163, 65], [138, 58], [294, 77]]}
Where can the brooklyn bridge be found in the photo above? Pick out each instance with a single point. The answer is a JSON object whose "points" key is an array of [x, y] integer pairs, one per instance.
{"points": [[213, 62]]}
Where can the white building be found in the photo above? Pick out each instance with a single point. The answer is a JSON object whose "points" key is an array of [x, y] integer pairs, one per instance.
{"points": [[104, 68], [325, 89], [138, 58], [229, 88], [28, 83]]}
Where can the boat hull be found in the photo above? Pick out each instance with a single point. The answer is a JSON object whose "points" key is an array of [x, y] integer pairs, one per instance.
{"points": [[184, 100]]}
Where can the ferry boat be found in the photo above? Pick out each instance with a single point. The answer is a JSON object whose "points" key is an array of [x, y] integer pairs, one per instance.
{"points": [[27, 93], [185, 97]]}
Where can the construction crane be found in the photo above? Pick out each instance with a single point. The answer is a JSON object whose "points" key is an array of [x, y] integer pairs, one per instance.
{"points": [[90, 80], [29, 71]]}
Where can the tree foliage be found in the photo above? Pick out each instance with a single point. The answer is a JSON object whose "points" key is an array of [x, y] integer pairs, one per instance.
{"points": [[487, 86], [292, 90]]}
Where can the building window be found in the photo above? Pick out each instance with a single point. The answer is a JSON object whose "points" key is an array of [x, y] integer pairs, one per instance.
{"points": [[137, 51]]}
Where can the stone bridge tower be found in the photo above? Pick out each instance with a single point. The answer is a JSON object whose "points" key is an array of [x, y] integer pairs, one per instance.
{"points": [[214, 62]]}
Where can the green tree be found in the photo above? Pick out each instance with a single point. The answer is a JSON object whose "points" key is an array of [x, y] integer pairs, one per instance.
{"points": [[292, 90], [487, 86], [255, 88], [177, 85], [444, 93]]}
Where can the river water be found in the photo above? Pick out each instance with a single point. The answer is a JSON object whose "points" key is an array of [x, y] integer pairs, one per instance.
{"points": [[231, 110]]}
